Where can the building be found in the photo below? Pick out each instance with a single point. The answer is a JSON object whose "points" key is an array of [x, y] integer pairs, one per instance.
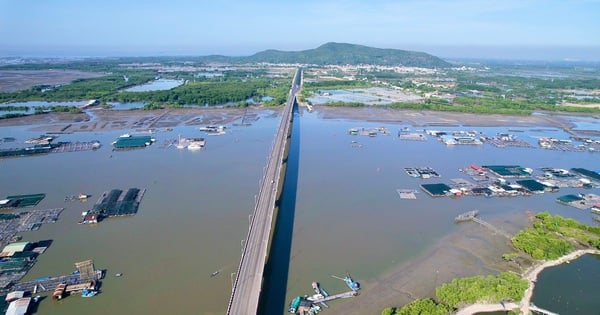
{"points": [[16, 248], [90, 219], [18, 307], [128, 142]]}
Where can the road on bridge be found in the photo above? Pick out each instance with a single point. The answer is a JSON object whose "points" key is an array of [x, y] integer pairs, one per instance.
{"points": [[246, 289]]}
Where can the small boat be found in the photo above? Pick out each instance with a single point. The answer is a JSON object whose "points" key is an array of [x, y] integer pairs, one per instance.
{"points": [[118, 274], [196, 144], [88, 293], [294, 304], [59, 292], [37, 298], [215, 273], [82, 196]]}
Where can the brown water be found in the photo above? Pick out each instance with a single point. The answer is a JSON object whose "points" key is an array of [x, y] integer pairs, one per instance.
{"points": [[348, 216]]}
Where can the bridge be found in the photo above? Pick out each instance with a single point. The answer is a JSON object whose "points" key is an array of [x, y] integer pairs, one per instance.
{"points": [[246, 288]]}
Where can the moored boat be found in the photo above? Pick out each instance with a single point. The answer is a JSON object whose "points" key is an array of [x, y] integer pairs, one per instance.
{"points": [[88, 293], [294, 305]]}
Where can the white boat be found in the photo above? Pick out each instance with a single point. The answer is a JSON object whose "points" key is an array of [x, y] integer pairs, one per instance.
{"points": [[194, 146]]}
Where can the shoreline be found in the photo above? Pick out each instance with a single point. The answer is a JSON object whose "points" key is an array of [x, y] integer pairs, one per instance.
{"points": [[531, 276]]}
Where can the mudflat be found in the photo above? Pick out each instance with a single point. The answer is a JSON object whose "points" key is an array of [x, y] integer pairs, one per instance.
{"points": [[16, 80], [98, 119], [471, 250]]}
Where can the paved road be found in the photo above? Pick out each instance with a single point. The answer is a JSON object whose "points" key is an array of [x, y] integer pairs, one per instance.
{"points": [[248, 282]]}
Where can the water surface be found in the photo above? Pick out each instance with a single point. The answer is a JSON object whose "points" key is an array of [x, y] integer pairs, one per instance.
{"points": [[156, 85], [347, 214]]}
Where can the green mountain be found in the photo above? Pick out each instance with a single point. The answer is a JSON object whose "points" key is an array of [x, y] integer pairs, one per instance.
{"points": [[342, 54]]}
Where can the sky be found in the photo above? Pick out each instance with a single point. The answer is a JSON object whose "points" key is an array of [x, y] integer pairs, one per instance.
{"points": [[504, 29]]}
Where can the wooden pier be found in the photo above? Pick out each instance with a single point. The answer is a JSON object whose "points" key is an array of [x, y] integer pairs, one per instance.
{"points": [[86, 273], [472, 216], [344, 295]]}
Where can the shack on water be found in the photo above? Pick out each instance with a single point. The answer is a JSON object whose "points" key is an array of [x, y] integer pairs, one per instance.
{"points": [[20, 201], [534, 186], [114, 203], [436, 190], [509, 170], [128, 141]]}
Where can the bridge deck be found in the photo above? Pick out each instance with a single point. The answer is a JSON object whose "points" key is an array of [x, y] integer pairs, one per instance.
{"points": [[246, 289]]}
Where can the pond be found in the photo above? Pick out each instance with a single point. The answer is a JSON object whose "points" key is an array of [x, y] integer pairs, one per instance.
{"points": [[156, 85]]}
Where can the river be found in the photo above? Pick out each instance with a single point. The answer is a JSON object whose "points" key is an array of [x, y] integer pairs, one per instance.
{"points": [[347, 216]]}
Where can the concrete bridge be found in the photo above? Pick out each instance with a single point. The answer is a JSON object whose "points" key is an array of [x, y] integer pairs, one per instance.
{"points": [[247, 286]]}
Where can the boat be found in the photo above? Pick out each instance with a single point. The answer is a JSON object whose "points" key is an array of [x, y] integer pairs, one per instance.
{"points": [[215, 273], [353, 285], [88, 293], [59, 292], [82, 196], [118, 274], [37, 298], [196, 144], [315, 286], [214, 130], [294, 305]]}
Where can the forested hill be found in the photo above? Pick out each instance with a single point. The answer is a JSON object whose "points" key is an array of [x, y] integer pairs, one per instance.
{"points": [[342, 54]]}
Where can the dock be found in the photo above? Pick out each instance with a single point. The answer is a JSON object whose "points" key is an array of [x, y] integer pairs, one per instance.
{"points": [[85, 274], [472, 216], [344, 295]]}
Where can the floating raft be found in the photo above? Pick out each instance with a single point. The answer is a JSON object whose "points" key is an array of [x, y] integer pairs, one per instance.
{"points": [[436, 190], [51, 148], [407, 193], [119, 203], [19, 201]]}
